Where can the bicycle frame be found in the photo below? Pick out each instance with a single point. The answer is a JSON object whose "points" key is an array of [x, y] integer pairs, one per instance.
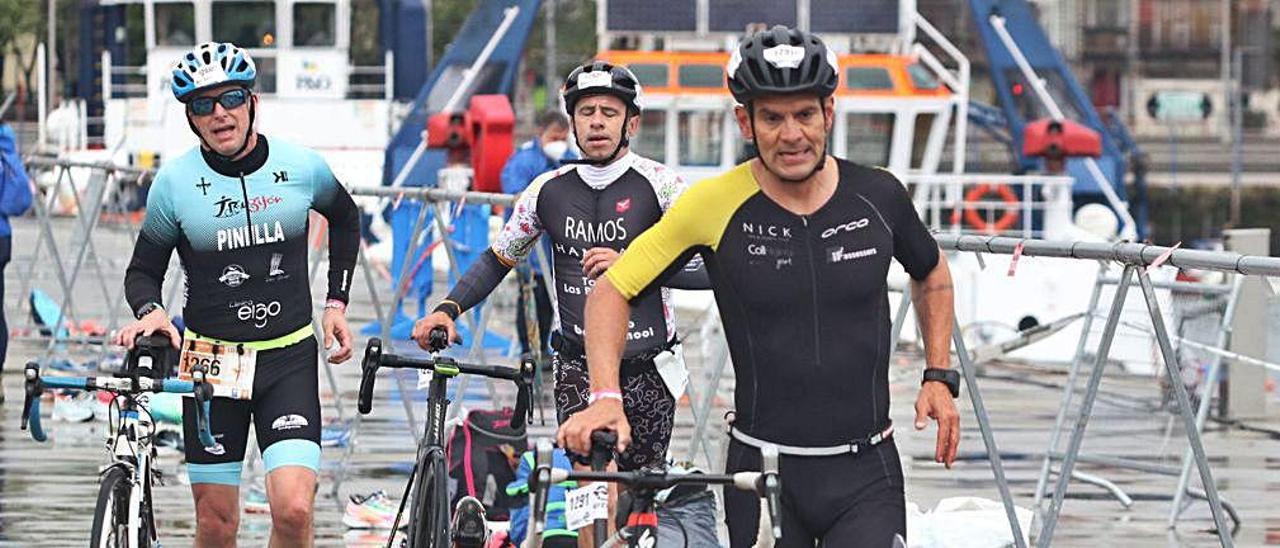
{"points": [[431, 455]]}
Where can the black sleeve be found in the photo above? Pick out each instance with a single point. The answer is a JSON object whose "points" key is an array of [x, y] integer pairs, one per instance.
{"points": [[913, 245], [335, 204], [157, 238], [479, 281], [145, 273], [692, 276]]}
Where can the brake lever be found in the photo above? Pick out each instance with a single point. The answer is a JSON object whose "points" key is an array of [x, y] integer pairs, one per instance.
{"points": [[540, 489], [523, 412], [31, 390], [772, 487], [368, 374], [203, 392], [438, 339]]}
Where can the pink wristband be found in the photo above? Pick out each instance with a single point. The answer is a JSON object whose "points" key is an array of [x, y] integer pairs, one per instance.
{"points": [[597, 395]]}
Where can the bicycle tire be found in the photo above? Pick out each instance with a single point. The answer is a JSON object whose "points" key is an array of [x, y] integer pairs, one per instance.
{"points": [[429, 514], [110, 516]]}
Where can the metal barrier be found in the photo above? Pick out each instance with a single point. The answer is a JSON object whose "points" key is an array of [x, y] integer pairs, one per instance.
{"points": [[1136, 260]]}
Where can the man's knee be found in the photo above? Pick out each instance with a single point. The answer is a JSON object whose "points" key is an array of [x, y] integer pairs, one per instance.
{"points": [[291, 490], [217, 520], [292, 517]]}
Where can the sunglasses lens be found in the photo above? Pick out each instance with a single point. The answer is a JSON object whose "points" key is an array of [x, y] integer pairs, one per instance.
{"points": [[202, 106], [233, 99]]}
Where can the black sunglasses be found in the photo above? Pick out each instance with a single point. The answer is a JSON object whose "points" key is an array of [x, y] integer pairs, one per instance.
{"points": [[203, 106]]}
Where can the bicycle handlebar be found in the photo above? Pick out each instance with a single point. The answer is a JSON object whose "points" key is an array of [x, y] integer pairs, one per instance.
{"points": [[36, 385], [374, 358], [765, 483]]}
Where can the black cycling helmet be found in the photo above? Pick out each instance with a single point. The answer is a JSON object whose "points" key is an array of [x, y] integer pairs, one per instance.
{"points": [[602, 78], [781, 61]]}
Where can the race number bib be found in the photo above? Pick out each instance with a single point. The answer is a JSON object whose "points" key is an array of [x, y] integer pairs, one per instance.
{"points": [[229, 368], [586, 504]]}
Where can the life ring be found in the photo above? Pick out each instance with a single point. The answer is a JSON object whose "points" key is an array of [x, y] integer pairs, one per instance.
{"points": [[974, 219]]}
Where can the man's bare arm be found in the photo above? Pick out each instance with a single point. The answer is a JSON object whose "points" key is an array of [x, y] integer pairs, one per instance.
{"points": [[935, 310]]}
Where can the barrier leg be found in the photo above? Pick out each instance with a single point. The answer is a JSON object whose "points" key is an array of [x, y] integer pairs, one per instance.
{"points": [[1184, 407], [1086, 407]]}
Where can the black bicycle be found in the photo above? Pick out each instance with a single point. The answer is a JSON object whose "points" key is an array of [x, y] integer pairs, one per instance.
{"points": [[428, 483], [124, 515], [641, 523]]}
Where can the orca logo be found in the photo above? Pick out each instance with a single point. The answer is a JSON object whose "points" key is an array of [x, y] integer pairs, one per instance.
{"points": [[847, 227]]}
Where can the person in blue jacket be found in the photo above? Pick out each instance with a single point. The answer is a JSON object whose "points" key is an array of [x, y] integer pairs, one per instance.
{"points": [[557, 534], [537, 156], [15, 198]]}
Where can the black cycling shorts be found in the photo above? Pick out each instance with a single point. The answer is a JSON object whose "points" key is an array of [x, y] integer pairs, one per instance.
{"points": [[843, 500], [285, 411], [649, 406]]}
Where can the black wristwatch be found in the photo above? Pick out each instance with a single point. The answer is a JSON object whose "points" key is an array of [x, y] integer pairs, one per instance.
{"points": [[949, 377], [147, 309]]}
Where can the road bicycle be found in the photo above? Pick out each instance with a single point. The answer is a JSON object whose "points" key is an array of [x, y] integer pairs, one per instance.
{"points": [[428, 485], [124, 515]]}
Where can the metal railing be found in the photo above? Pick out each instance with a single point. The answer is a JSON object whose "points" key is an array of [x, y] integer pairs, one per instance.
{"points": [[1136, 261]]}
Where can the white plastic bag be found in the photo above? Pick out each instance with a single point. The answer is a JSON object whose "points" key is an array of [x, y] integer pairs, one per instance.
{"points": [[964, 522]]}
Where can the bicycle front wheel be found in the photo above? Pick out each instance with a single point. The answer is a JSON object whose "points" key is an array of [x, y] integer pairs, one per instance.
{"points": [[111, 517], [429, 517]]}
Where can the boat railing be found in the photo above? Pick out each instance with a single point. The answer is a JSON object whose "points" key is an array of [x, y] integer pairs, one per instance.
{"points": [[1026, 206]]}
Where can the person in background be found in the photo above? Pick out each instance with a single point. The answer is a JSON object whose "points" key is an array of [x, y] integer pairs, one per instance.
{"points": [[536, 156], [15, 198]]}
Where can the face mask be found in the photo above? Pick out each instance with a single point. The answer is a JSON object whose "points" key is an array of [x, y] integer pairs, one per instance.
{"points": [[555, 149]]}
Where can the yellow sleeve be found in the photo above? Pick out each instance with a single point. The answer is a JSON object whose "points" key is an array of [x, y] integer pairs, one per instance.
{"points": [[697, 219]]}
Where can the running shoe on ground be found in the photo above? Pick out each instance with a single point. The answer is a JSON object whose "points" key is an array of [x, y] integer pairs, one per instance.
{"points": [[373, 511]]}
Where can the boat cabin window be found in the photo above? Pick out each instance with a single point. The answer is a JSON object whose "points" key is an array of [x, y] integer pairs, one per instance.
{"points": [[650, 141], [313, 24], [869, 137], [248, 24], [651, 75], [701, 76], [701, 137], [175, 24], [867, 78], [266, 66]]}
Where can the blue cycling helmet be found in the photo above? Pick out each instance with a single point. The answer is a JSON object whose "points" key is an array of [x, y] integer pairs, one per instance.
{"points": [[209, 65]]}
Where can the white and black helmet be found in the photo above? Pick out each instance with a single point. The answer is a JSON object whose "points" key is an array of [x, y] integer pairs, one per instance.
{"points": [[603, 78], [781, 61]]}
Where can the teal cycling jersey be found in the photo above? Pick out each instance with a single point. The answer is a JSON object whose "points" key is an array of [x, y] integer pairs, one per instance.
{"points": [[240, 229]]}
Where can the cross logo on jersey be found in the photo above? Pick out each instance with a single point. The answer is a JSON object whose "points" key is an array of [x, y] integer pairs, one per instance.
{"points": [[623, 205], [203, 186]]}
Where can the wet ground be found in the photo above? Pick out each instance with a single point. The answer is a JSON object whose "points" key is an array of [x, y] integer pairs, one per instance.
{"points": [[47, 491]]}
